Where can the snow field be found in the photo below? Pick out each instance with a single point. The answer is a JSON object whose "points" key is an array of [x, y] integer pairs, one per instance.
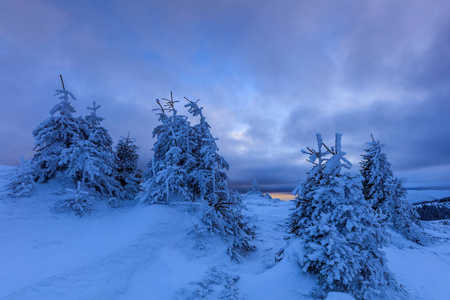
{"points": [[150, 252]]}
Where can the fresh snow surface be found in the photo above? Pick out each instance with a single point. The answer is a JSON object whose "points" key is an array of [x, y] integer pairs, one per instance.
{"points": [[152, 252]]}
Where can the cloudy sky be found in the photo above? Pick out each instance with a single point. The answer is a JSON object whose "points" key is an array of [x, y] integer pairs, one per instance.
{"points": [[270, 74]]}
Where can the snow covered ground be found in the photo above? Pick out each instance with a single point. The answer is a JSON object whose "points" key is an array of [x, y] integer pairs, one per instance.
{"points": [[153, 252], [415, 196]]}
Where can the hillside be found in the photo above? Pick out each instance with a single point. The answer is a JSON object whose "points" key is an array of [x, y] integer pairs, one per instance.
{"points": [[154, 252]]}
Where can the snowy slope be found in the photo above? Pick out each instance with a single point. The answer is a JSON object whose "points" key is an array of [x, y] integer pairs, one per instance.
{"points": [[424, 271], [151, 252], [414, 196]]}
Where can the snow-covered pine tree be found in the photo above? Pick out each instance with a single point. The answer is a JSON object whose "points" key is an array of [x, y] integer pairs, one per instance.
{"points": [[377, 173], [303, 192], [255, 190], [200, 131], [22, 184], [127, 172], [168, 172], [340, 233], [223, 211], [187, 167], [54, 135], [405, 218], [206, 156], [386, 194], [151, 190], [92, 160], [79, 202]]}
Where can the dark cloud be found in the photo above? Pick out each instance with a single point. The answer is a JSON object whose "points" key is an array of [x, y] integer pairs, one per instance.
{"points": [[269, 74]]}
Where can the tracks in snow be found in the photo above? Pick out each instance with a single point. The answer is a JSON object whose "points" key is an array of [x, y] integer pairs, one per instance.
{"points": [[107, 278]]}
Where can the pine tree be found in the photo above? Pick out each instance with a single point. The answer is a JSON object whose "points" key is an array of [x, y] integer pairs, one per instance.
{"points": [[99, 137], [255, 190], [72, 148], [405, 218], [98, 134], [91, 160], [54, 135], [386, 194], [168, 175], [79, 203], [208, 164], [377, 173], [23, 183], [223, 210], [127, 172], [303, 192], [186, 167], [341, 235]]}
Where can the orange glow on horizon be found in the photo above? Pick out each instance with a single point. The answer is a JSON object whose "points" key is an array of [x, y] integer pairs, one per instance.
{"points": [[285, 196]]}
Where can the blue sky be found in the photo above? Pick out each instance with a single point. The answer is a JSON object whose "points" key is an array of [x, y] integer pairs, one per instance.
{"points": [[270, 74]]}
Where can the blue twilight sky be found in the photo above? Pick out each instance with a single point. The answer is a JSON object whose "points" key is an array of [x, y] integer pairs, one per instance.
{"points": [[270, 74]]}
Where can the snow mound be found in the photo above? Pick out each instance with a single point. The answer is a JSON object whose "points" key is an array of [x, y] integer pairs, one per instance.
{"points": [[260, 200]]}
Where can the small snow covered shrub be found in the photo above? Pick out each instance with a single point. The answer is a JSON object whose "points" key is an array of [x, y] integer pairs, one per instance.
{"points": [[22, 183], [79, 202], [387, 195], [340, 233], [216, 284]]}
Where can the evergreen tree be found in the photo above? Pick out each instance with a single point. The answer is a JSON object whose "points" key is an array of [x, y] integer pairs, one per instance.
{"points": [[223, 212], [377, 173], [54, 135], [186, 167], [168, 175], [91, 160], [386, 194], [210, 174], [405, 218], [254, 189], [23, 183], [98, 134], [208, 164], [79, 203], [127, 172], [72, 148], [304, 210], [341, 235]]}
